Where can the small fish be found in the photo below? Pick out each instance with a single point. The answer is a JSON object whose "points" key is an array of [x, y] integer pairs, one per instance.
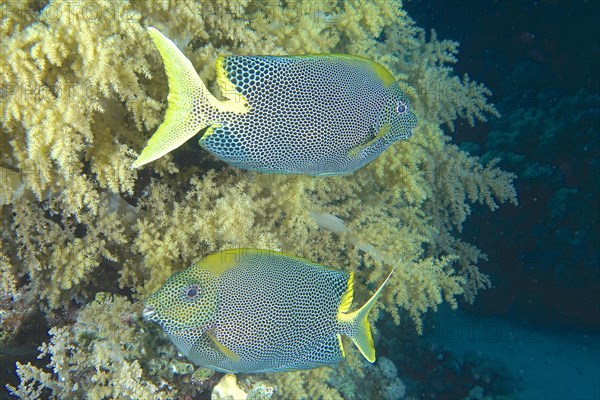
{"points": [[249, 310], [310, 114]]}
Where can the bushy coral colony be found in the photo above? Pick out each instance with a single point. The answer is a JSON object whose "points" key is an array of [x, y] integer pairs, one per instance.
{"points": [[85, 239]]}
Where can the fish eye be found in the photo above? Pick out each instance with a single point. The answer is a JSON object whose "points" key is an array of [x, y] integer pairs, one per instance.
{"points": [[191, 292], [401, 108]]}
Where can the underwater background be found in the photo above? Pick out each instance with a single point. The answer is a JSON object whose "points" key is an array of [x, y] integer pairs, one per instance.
{"points": [[489, 211]]}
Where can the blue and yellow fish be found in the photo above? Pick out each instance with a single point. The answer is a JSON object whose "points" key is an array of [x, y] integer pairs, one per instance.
{"points": [[249, 310], [311, 114]]}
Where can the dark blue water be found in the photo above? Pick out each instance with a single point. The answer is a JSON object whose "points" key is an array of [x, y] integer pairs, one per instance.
{"points": [[535, 334]]}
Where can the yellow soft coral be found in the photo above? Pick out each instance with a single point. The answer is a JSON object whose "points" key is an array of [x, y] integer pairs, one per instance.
{"points": [[94, 358]]}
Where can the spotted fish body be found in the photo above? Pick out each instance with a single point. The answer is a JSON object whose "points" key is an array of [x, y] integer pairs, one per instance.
{"points": [[312, 114], [259, 311]]}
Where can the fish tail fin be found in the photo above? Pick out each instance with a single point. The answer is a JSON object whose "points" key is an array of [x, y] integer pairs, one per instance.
{"points": [[359, 322], [190, 104]]}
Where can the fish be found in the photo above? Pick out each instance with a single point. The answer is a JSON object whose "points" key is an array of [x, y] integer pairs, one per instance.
{"points": [[252, 310], [319, 114]]}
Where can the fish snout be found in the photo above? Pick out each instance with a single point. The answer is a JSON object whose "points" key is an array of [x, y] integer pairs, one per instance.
{"points": [[148, 312]]}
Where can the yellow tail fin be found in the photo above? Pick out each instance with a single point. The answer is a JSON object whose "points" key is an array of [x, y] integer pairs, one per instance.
{"points": [[359, 321], [191, 106]]}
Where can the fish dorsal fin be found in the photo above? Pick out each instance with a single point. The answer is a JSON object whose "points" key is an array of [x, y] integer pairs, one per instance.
{"points": [[380, 71], [228, 89], [221, 261], [346, 300], [219, 346], [273, 253], [385, 128]]}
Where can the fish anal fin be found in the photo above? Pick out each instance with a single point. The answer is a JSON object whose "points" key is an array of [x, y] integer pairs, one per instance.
{"points": [[341, 344], [211, 129]]}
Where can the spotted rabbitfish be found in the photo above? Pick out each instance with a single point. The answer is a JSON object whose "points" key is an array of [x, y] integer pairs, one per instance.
{"points": [[249, 310], [326, 114]]}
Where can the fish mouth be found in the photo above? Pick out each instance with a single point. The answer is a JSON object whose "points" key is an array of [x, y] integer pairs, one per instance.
{"points": [[148, 312]]}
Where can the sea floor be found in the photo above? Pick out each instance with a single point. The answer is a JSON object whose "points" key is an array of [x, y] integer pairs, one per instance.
{"points": [[550, 364]]}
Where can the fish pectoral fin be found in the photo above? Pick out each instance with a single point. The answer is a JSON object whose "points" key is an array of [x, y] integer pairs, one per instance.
{"points": [[385, 128], [219, 346]]}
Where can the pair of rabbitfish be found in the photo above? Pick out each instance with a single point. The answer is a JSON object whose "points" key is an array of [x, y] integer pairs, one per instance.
{"points": [[249, 310]]}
